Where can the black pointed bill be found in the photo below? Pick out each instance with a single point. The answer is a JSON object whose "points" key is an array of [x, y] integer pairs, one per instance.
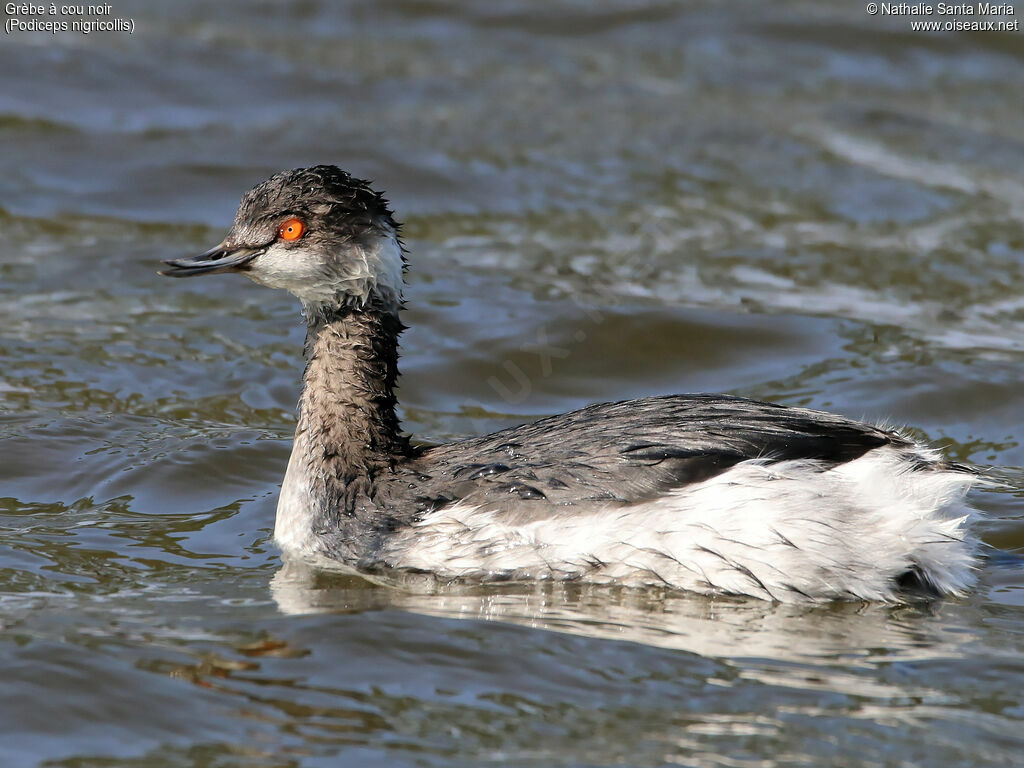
{"points": [[220, 258]]}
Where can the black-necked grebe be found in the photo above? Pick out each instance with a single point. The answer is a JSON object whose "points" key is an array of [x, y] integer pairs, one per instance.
{"points": [[708, 493]]}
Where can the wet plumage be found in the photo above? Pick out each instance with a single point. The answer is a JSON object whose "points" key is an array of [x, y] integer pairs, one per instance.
{"points": [[709, 493]]}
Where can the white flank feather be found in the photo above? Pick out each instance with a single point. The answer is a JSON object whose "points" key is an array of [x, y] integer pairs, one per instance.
{"points": [[781, 531]]}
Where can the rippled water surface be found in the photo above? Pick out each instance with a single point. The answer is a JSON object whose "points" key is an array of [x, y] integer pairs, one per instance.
{"points": [[793, 201]]}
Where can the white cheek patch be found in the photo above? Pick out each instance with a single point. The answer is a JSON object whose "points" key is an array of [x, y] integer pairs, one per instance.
{"points": [[353, 274], [279, 267]]}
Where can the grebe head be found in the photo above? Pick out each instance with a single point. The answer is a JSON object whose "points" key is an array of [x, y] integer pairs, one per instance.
{"points": [[319, 233]]}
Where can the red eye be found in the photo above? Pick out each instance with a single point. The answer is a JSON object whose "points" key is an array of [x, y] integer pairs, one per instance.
{"points": [[291, 229]]}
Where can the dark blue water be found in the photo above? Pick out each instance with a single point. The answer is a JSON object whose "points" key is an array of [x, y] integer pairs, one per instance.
{"points": [[796, 201]]}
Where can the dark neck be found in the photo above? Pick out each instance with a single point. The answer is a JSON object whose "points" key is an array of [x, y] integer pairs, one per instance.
{"points": [[347, 409]]}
